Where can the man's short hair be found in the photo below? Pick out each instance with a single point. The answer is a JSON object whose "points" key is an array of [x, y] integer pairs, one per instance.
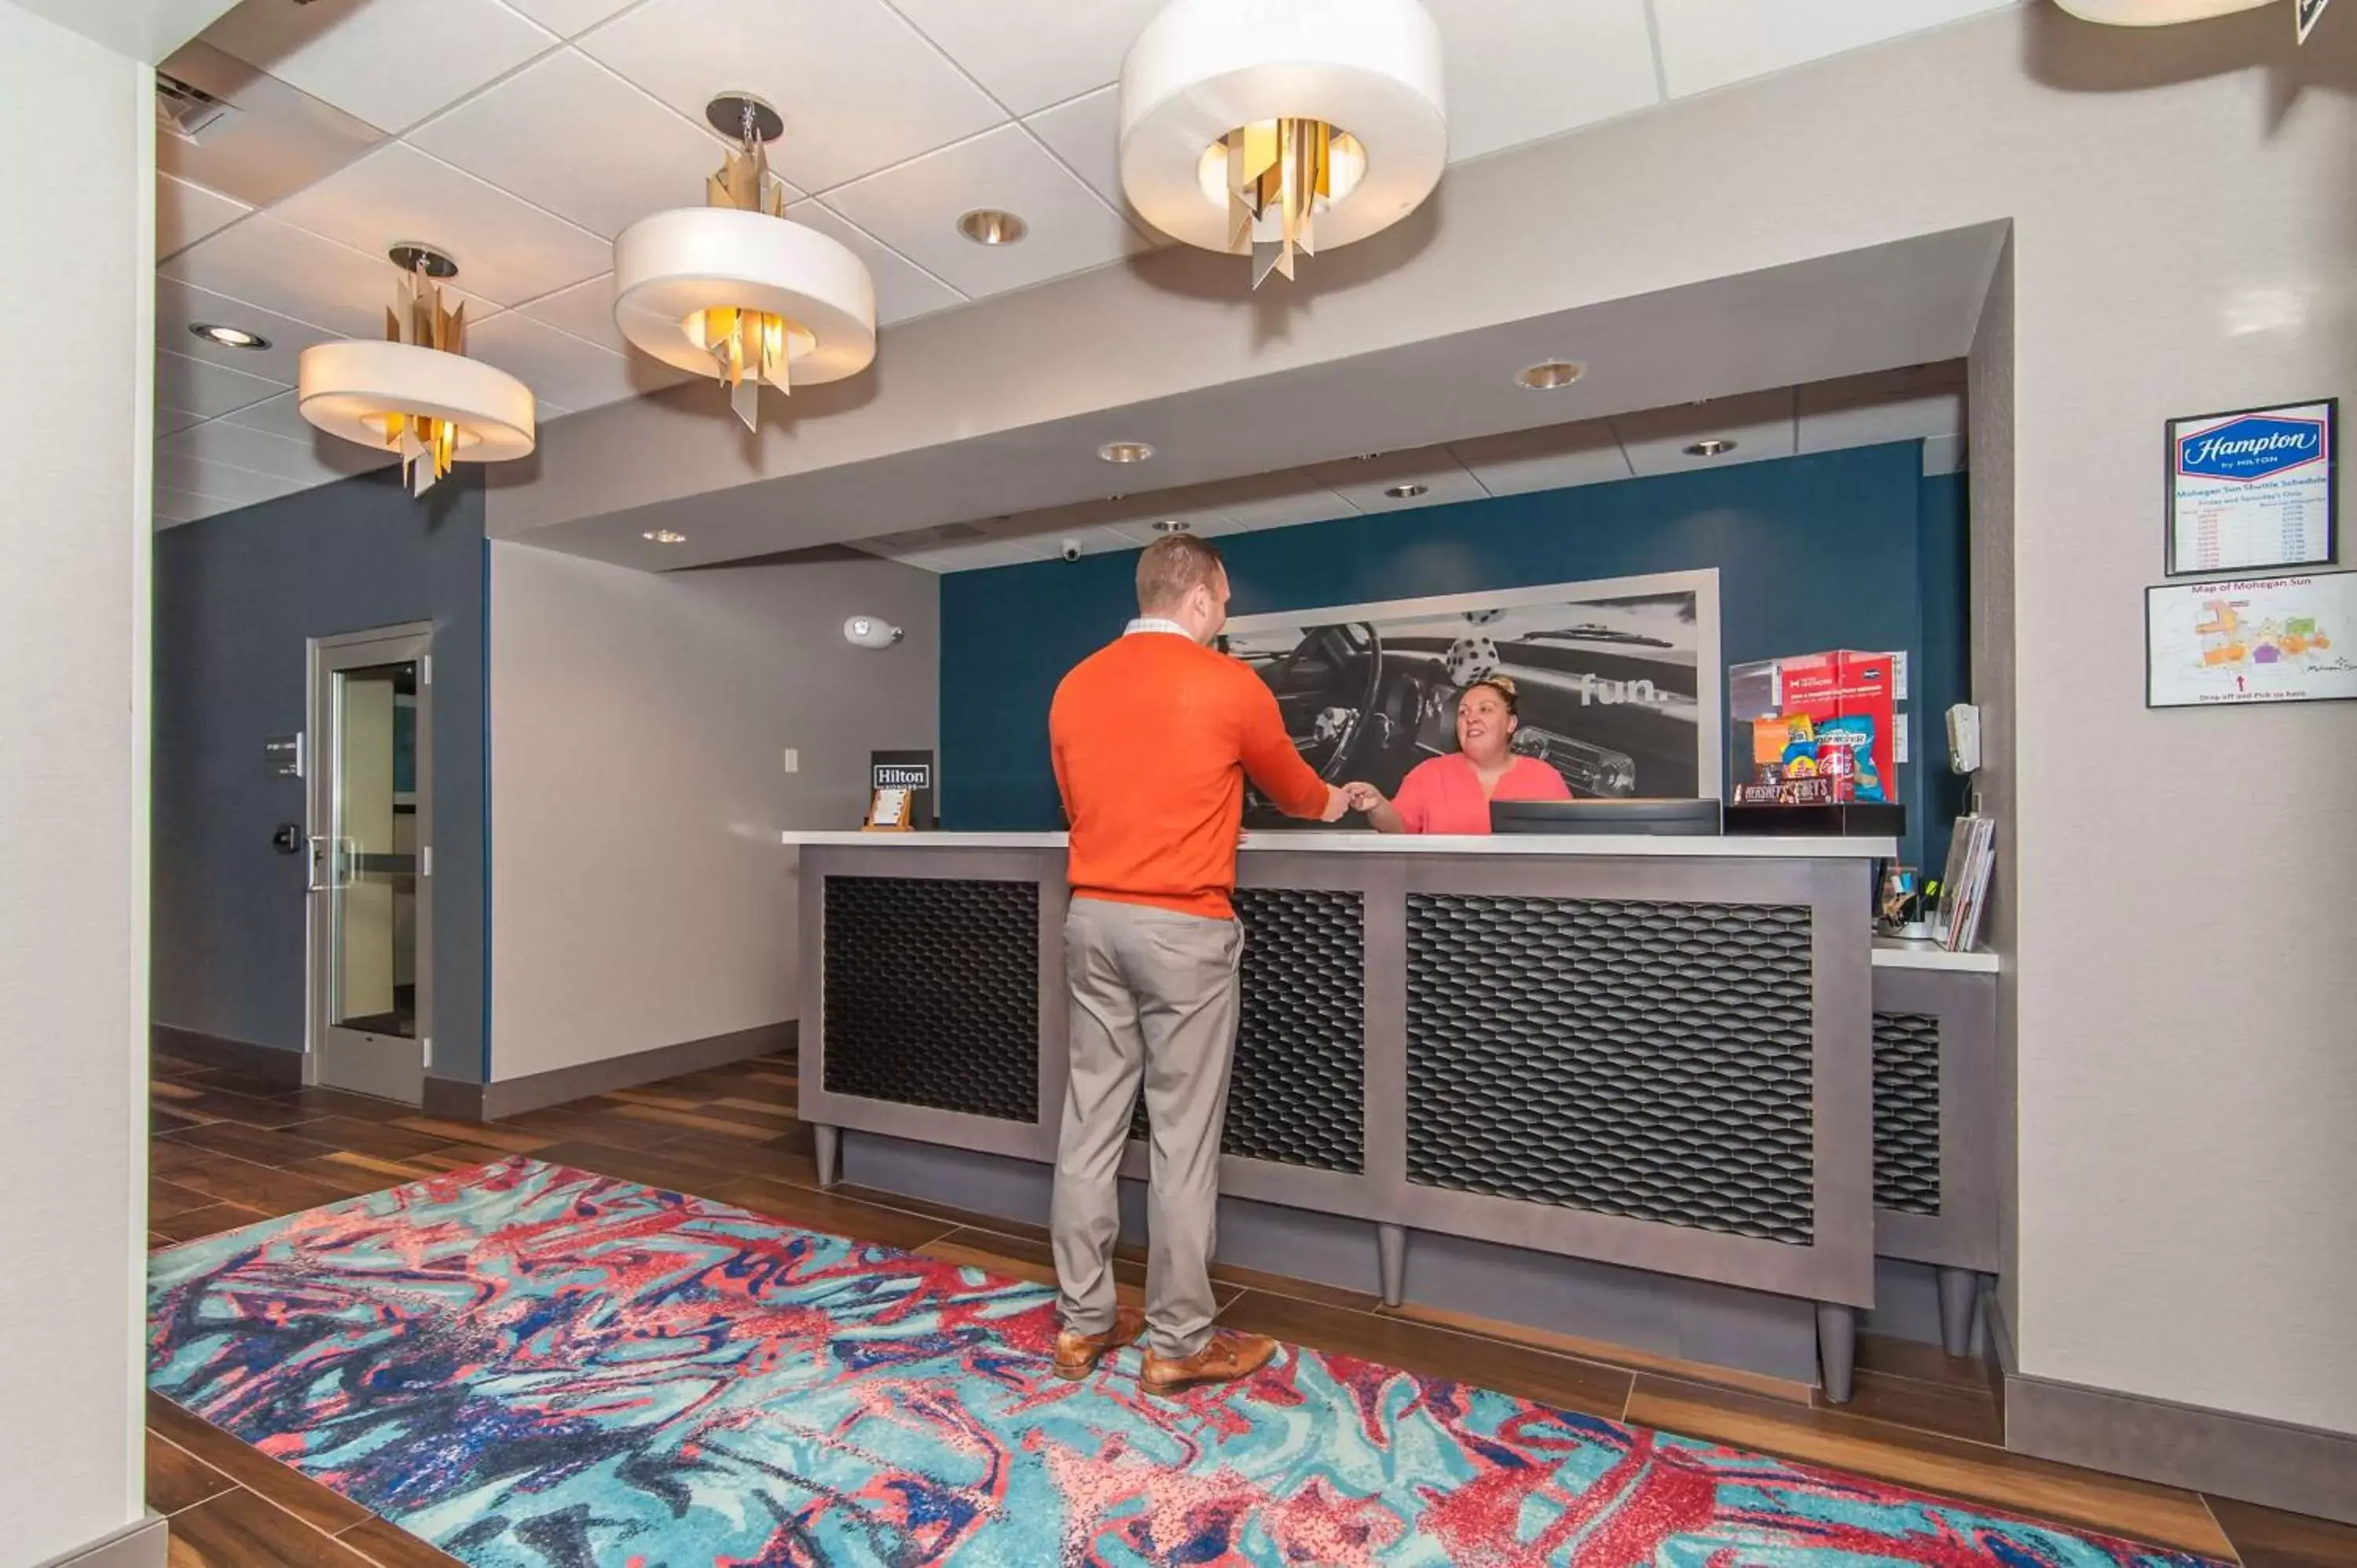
{"points": [[1172, 567]]}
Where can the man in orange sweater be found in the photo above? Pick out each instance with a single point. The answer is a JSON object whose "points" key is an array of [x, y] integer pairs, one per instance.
{"points": [[1152, 739]]}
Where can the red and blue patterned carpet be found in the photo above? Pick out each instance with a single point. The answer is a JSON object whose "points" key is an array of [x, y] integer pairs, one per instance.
{"points": [[533, 1367]]}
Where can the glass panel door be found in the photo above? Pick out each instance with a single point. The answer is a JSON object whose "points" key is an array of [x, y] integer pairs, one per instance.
{"points": [[372, 868], [373, 897]]}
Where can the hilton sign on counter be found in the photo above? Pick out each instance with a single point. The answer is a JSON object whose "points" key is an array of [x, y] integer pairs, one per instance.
{"points": [[906, 779]]}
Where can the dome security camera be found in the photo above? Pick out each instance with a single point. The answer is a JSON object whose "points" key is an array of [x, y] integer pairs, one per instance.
{"points": [[1070, 550], [869, 631]]}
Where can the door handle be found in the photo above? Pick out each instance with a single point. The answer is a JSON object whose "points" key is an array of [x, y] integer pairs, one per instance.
{"points": [[316, 852]]}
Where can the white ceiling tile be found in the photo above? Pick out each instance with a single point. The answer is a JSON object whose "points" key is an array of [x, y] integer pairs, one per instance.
{"points": [[392, 62], [1108, 540], [1943, 454], [991, 553], [1552, 457], [569, 135], [172, 506], [179, 308], [1365, 481], [217, 482], [1032, 53], [903, 290], [923, 560], [186, 213], [1273, 500], [193, 386], [563, 370], [915, 207], [568, 19], [279, 416], [587, 311], [1086, 134], [1519, 71], [1760, 425], [859, 88], [507, 251], [296, 274], [274, 142], [1834, 427], [309, 461], [1710, 43]]}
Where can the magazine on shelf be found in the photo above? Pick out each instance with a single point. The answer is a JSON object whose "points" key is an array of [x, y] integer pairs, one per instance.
{"points": [[1972, 854]]}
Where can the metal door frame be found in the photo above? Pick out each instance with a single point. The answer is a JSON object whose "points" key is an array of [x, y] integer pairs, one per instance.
{"points": [[325, 658]]}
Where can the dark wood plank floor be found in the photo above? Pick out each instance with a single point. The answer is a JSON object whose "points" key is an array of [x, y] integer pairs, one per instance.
{"points": [[230, 1150]]}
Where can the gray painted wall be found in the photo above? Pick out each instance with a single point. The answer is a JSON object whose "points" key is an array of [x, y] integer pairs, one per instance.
{"points": [[639, 785], [237, 598]]}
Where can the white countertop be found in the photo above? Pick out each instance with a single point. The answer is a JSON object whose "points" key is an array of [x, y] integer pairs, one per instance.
{"points": [[1895, 952], [1732, 847]]}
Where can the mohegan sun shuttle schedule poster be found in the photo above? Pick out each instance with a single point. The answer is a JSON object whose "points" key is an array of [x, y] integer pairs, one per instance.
{"points": [[2252, 491]]}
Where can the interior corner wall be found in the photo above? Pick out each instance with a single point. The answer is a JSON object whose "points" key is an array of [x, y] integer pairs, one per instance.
{"points": [[238, 599], [77, 255], [1989, 415], [639, 895]]}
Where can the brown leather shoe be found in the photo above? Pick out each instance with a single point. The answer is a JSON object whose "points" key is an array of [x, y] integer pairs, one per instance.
{"points": [[1077, 1354], [1223, 1359]]}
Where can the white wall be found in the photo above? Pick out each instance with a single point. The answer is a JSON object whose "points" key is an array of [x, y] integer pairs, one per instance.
{"points": [[639, 896], [77, 250], [2184, 229]]}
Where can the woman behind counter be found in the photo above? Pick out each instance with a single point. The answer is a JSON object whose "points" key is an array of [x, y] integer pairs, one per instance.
{"points": [[1452, 794]]}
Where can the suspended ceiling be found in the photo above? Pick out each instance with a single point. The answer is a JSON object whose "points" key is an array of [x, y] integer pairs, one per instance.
{"points": [[521, 135]]}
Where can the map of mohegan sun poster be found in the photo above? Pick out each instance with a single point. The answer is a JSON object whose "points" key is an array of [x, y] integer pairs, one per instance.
{"points": [[2256, 639]]}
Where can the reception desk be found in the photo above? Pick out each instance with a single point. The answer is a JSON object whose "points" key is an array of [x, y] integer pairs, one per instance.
{"points": [[1658, 1054]]}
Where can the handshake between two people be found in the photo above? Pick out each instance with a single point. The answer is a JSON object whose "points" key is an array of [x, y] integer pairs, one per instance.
{"points": [[1342, 800]]}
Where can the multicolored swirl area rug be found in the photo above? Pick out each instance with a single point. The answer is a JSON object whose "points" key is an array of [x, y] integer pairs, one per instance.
{"points": [[530, 1366]]}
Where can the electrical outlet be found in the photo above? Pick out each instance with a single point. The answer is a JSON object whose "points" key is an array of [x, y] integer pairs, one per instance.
{"points": [[793, 760]]}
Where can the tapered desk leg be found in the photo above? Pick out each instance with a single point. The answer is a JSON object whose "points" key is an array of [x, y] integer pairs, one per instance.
{"points": [[1836, 1348], [1960, 1292], [829, 1141], [1390, 1247]]}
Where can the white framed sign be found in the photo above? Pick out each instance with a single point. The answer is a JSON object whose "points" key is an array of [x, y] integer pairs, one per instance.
{"points": [[2252, 489], [2251, 639]]}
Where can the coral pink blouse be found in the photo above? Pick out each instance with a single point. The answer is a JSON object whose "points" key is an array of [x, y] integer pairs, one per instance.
{"points": [[1444, 794]]}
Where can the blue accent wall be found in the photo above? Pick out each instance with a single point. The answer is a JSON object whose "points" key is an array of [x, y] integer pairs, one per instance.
{"points": [[237, 597], [1851, 549]]}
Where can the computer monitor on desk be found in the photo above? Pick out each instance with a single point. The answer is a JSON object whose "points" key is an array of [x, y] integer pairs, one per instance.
{"points": [[1698, 818]]}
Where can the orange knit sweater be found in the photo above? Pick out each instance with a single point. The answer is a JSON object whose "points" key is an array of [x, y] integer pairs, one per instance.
{"points": [[1152, 739]]}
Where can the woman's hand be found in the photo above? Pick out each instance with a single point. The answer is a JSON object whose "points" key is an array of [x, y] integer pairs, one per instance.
{"points": [[1382, 816]]}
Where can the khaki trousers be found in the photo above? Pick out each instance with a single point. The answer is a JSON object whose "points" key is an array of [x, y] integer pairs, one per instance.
{"points": [[1154, 1004]]}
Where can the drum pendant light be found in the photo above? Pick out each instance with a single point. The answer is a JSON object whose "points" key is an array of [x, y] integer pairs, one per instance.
{"points": [[417, 392], [1268, 130], [2154, 13], [733, 290]]}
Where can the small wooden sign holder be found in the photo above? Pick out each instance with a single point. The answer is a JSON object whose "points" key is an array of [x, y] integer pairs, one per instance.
{"points": [[888, 811]]}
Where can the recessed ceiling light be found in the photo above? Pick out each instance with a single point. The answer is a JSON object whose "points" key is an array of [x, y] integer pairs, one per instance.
{"points": [[1124, 451], [1171, 525], [1713, 447], [1551, 375], [663, 536], [1408, 491], [1366, 456], [990, 225], [230, 336]]}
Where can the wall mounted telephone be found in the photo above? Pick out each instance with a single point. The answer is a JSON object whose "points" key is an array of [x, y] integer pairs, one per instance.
{"points": [[1965, 739]]}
